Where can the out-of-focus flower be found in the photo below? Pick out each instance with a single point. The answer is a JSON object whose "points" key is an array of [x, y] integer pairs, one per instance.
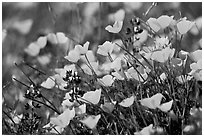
{"points": [[58, 38], [4, 34], [117, 16], [196, 55], [197, 27], [132, 6], [23, 26], [116, 28], [45, 59], [33, 49]]}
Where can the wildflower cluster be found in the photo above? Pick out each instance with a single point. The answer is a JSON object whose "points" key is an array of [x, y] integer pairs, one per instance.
{"points": [[138, 88]]}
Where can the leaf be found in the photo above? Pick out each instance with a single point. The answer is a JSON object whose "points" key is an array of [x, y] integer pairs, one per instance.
{"points": [[107, 80], [49, 83], [153, 102], [127, 102], [73, 56], [33, 49], [91, 121], [61, 38], [184, 26], [4, 34], [116, 28], [165, 107], [63, 119], [91, 97]]}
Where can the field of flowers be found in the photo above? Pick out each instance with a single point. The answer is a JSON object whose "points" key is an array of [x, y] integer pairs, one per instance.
{"points": [[102, 68]]}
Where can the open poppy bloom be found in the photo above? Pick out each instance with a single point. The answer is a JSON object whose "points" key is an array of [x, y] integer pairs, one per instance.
{"points": [[91, 121], [107, 80], [106, 48], [63, 119], [82, 50], [127, 102], [73, 56], [184, 25], [155, 102], [91, 97], [49, 83], [162, 55], [160, 23], [116, 28]]}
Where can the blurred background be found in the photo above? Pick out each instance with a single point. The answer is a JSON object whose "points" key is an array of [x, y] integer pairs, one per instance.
{"points": [[23, 23]]}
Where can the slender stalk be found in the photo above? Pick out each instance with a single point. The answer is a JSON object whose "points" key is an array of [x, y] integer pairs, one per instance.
{"points": [[44, 104], [21, 83], [50, 102], [25, 74], [9, 118], [130, 54], [154, 4]]}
